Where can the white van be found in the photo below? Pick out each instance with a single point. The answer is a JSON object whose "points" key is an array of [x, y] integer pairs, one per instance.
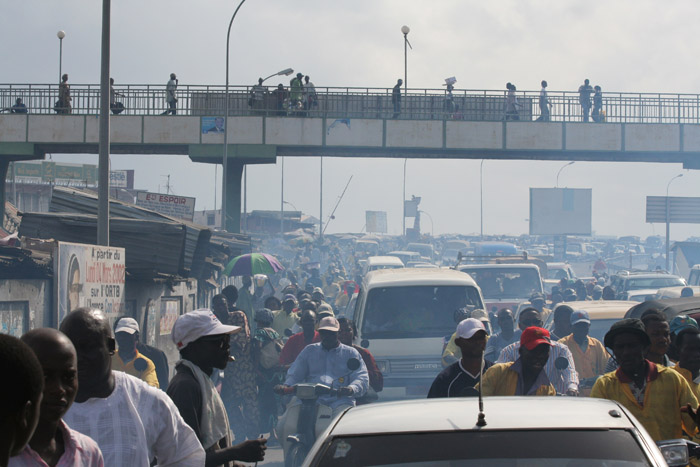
{"points": [[403, 316], [382, 262]]}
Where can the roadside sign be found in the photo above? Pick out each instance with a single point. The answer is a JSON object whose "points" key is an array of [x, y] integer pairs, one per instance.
{"points": [[181, 207]]}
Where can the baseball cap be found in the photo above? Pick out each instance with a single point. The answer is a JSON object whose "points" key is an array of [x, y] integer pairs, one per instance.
{"points": [[127, 325], [198, 323], [329, 323], [629, 325], [536, 296], [580, 316], [681, 322], [468, 327], [317, 290], [534, 336], [289, 297]]}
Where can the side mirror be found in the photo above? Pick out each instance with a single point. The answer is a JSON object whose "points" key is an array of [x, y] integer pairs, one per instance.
{"points": [[353, 364], [678, 452], [561, 363]]}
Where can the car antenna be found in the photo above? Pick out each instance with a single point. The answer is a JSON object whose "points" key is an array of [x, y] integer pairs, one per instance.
{"points": [[481, 421]]}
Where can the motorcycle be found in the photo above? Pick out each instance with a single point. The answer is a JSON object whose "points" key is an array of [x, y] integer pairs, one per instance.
{"points": [[311, 418]]}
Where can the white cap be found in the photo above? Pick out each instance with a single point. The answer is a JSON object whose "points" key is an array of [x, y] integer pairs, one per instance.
{"points": [[328, 323], [468, 327], [199, 323], [128, 325]]}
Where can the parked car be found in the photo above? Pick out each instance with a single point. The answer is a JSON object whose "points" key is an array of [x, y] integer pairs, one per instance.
{"points": [[639, 295], [533, 431], [505, 285], [382, 262], [675, 292], [625, 281], [403, 316], [603, 314]]}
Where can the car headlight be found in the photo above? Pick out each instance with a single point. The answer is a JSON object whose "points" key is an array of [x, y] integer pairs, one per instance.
{"points": [[675, 452], [383, 366]]}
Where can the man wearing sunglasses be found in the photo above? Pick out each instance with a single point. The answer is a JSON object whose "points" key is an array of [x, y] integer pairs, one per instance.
{"points": [[204, 344], [559, 368]]}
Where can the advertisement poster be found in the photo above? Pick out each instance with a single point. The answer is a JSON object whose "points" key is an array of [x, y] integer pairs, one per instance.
{"points": [[213, 125], [169, 311], [89, 276]]}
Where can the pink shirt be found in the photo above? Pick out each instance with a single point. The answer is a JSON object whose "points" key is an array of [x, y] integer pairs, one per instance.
{"points": [[80, 450]]}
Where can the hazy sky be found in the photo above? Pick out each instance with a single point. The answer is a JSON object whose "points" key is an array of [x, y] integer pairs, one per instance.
{"points": [[631, 46]]}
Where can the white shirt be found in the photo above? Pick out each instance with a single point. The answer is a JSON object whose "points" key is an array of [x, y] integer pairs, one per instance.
{"points": [[136, 423]]}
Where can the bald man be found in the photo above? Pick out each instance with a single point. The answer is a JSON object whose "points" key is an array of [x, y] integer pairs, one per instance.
{"points": [[132, 422], [20, 396], [53, 442]]}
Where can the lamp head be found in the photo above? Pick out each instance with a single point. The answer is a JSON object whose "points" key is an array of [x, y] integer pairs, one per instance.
{"points": [[61, 34], [405, 29], [285, 72]]}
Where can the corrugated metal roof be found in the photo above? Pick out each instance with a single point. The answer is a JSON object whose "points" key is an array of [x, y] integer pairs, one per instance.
{"points": [[152, 246], [66, 199]]}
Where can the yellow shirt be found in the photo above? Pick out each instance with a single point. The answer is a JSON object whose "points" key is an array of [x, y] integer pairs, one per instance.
{"points": [[688, 376], [666, 392], [451, 350], [501, 380], [282, 321], [148, 375], [591, 363]]}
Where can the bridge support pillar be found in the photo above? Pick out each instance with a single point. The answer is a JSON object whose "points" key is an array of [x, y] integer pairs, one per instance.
{"points": [[234, 174]]}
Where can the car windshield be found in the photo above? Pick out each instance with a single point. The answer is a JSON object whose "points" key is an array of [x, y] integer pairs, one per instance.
{"points": [[415, 311], [600, 327], [525, 448], [504, 282], [557, 273], [636, 283]]}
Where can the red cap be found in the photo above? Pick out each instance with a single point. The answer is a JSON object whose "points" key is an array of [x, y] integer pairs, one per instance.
{"points": [[534, 336]]}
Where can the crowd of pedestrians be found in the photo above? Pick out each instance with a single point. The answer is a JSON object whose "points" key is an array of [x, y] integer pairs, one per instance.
{"points": [[92, 393]]}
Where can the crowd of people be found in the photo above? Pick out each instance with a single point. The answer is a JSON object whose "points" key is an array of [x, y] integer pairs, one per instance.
{"points": [[91, 393], [300, 99]]}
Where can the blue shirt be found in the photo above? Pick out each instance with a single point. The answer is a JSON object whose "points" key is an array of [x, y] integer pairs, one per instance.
{"points": [[318, 365]]}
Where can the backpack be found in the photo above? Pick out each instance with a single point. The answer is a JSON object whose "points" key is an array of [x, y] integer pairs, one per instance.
{"points": [[270, 354]]}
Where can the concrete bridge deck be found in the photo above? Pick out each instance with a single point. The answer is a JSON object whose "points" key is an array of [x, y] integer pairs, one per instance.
{"points": [[351, 123]]}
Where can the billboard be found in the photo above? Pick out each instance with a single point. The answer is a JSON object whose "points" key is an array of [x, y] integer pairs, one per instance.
{"points": [[89, 276], [681, 210], [121, 179], [213, 125], [181, 207], [375, 221], [560, 211]]}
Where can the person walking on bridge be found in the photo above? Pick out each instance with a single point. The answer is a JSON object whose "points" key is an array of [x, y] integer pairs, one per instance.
{"points": [[396, 98], [64, 99], [170, 98], [584, 97]]}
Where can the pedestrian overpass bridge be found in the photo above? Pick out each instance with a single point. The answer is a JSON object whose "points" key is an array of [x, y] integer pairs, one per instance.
{"points": [[349, 122]]}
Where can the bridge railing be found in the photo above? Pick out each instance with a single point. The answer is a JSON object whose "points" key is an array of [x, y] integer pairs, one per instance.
{"points": [[334, 102]]}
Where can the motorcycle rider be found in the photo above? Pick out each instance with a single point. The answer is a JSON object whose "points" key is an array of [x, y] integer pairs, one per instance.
{"points": [[325, 362]]}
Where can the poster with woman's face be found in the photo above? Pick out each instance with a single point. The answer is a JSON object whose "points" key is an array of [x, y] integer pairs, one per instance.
{"points": [[88, 276]]}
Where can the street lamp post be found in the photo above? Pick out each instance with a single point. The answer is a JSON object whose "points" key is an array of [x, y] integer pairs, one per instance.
{"points": [[563, 167], [60, 34], [432, 226], [481, 197], [104, 135], [668, 223], [405, 30], [282, 199], [224, 185], [403, 200]]}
